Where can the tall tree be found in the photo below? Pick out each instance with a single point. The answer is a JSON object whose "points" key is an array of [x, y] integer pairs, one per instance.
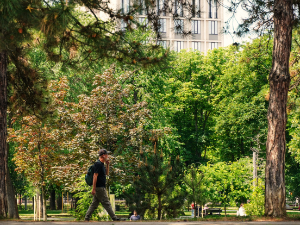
{"points": [[243, 100], [156, 175], [277, 16], [62, 33], [38, 140], [191, 91], [3, 133], [279, 79]]}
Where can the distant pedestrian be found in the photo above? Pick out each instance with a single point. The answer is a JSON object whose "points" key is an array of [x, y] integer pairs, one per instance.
{"points": [[193, 209], [241, 211], [135, 216], [205, 209], [99, 190]]}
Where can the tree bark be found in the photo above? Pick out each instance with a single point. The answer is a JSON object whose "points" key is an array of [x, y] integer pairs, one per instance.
{"points": [[3, 133], [12, 207], [39, 203], [159, 207], [279, 79], [58, 202], [44, 203], [52, 199], [25, 202]]}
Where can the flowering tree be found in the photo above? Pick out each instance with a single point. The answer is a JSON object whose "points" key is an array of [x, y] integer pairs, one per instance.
{"points": [[65, 31], [39, 138], [60, 146]]}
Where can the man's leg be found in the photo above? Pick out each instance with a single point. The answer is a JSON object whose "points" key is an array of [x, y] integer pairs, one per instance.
{"points": [[106, 203], [92, 207]]}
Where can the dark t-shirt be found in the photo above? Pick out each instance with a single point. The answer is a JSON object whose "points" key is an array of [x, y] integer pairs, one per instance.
{"points": [[133, 217], [100, 169]]}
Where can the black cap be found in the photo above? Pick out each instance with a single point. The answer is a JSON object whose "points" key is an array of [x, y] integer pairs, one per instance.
{"points": [[102, 152]]}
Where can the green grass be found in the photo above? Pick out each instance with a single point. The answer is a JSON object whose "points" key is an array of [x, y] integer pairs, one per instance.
{"points": [[296, 213], [231, 215], [122, 213], [29, 213]]}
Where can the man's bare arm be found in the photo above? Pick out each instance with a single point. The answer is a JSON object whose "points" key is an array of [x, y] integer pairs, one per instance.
{"points": [[107, 168], [95, 177]]}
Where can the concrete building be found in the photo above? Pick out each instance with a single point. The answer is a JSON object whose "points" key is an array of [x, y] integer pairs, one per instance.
{"points": [[205, 24]]}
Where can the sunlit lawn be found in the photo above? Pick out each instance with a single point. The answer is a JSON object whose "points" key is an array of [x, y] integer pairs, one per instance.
{"points": [[231, 214], [57, 213]]}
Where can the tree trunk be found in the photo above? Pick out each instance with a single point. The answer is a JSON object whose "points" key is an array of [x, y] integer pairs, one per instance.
{"points": [[52, 199], [12, 207], [196, 129], [44, 203], [20, 199], [25, 202], [279, 79], [159, 207], [3, 133], [58, 202], [39, 204]]}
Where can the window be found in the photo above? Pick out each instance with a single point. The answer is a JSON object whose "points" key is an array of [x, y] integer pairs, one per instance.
{"points": [[161, 7], [213, 9], [163, 44], [196, 26], [142, 7], [178, 25], [123, 25], [125, 6], [162, 26], [196, 8], [143, 20], [216, 9], [178, 8], [178, 46], [196, 45], [213, 27], [213, 45]]}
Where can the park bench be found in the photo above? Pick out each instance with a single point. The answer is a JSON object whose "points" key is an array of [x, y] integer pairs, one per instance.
{"points": [[214, 210]]}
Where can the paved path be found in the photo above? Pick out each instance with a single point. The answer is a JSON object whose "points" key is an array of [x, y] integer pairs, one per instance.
{"points": [[148, 223]]}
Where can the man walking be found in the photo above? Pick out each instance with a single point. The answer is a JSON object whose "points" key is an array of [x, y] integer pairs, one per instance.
{"points": [[99, 190]]}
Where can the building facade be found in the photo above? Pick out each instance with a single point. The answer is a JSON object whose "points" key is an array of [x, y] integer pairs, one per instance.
{"points": [[205, 24]]}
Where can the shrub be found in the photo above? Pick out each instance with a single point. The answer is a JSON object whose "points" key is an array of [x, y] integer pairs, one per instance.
{"points": [[85, 199], [256, 206]]}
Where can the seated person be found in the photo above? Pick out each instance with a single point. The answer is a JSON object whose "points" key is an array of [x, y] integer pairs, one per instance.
{"points": [[205, 209], [241, 211], [135, 216]]}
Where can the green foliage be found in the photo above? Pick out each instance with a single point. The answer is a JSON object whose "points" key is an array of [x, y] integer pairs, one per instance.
{"points": [[157, 175], [173, 202], [137, 198], [256, 206], [293, 138], [292, 176], [193, 180], [204, 107], [189, 96], [227, 183], [242, 100], [83, 193]]}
